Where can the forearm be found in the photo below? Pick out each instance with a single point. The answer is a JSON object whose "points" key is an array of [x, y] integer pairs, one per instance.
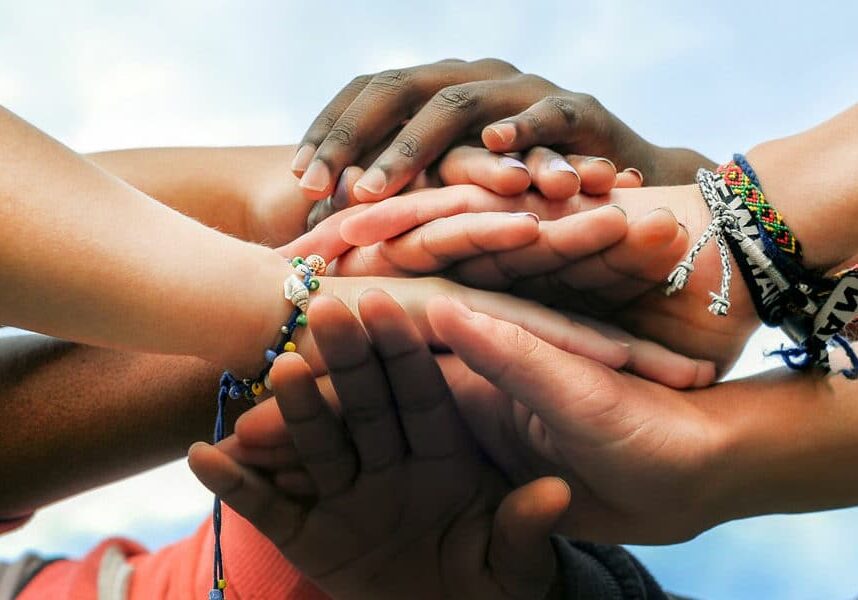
{"points": [[812, 179], [245, 191], [80, 417], [86, 257], [787, 443]]}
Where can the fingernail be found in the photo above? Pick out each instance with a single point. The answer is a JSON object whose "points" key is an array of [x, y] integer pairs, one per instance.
{"points": [[316, 177], [635, 172], [660, 209], [303, 157], [461, 309], [505, 131], [530, 215], [558, 164], [619, 208], [509, 161], [602, 159], [340, 199], [374, 181]]}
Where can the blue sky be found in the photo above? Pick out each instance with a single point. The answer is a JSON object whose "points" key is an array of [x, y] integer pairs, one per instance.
{"points": [[708, 75]]}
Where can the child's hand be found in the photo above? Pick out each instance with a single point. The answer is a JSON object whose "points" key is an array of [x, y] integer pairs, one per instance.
{"points": [[403, 504], [640, 457]]}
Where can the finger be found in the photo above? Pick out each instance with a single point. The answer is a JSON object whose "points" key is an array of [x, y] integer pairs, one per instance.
{"points": [[340, 199], [271, 458], [394, 216], [520, 555], [278, 518], [629, 178], [322, 124], [552, 174], [502, 174], [598, 174], [655, 362], [429, 419], [390, 98], [561, 242], [651, 245], [297, 483], [262, 426], [319, 435], [380, 107], [437, 245], [453, 111], [361, 384], [518, 362], [554, 120]]}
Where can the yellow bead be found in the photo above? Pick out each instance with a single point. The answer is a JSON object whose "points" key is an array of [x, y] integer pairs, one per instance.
{"points": [[257, 388], [289, 347], [221, 584]]}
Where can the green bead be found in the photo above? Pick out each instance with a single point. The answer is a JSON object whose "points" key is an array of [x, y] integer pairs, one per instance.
{"points": [[297, 261], [301, 320], [314, 284]]}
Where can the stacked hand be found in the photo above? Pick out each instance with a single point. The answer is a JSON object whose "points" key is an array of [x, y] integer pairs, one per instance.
{"points": [[584, 258], [454, 101], [384, 494]]}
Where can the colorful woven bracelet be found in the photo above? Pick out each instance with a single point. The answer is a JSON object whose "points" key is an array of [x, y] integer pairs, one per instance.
{"points": [[743, 182], [296, 289], [813, 311]]}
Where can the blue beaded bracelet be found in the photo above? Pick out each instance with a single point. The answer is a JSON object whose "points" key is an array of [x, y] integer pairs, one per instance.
{"points": [[296, 289]]}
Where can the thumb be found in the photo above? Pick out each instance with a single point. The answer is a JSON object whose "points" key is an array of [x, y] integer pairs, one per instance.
{"points": [[540, 376], [520, 555]]}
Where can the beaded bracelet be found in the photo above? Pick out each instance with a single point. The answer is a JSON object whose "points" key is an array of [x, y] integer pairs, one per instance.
{"points": [[812, 310], [297, 290]]}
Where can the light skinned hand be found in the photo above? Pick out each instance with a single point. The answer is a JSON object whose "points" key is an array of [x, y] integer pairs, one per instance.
{"points": [[428, 248], [636, 454], [555, 176], [625, 288]]}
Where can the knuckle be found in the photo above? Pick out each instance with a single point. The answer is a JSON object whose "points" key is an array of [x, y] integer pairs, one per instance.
{"points": [[407, 145], [497, 65], [535, 81], [456, 98], [588, 101], [531, 122], [360, 81], [565, 107], [343, 131], [392, 81]]}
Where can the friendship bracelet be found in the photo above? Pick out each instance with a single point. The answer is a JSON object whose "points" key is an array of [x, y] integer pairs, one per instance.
{"points": [[743, 182], [297, 290], [813, 311]]}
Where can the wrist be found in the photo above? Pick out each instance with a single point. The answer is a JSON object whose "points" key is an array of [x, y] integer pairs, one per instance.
{"points": [[813, 184], [276, 209], [785, 444], [259, 315]]}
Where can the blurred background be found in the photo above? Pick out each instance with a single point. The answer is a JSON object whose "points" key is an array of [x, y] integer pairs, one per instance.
{"points": [[716, 77]]}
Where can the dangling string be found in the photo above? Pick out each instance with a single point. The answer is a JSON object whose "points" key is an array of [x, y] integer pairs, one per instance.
{"points": [[218, 580], [297, 291]]}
